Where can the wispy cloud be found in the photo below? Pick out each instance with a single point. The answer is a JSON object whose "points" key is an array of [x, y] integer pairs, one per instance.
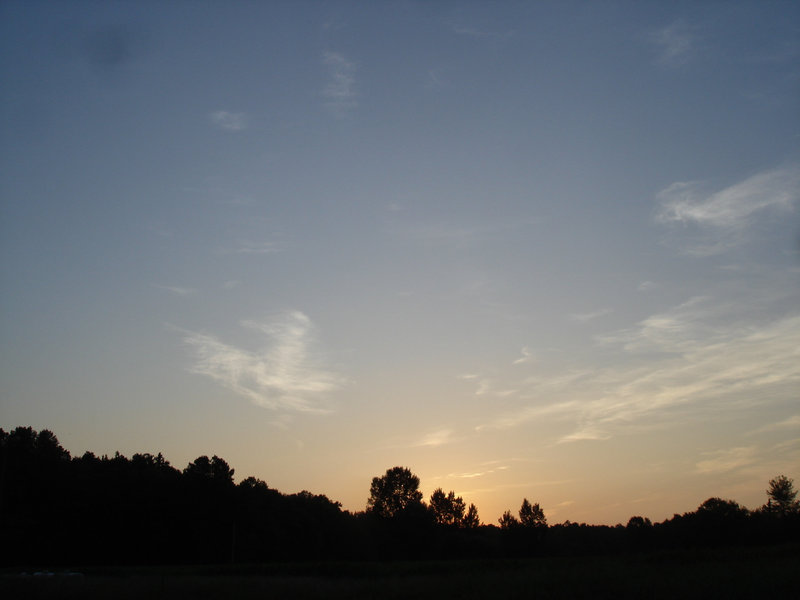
{"points": [[177, 290], [792, 422], [688, 358], [438, 437], [727, 460], [668, 331], [724, 215], [455, 235], [264, 247], [531, 485], [733, 207], [647, 286], [435, 79], [589, 432], [475, 32], [530, 413], [282, 375], [339, 92], [585, 317], [527, 357], [229, 121], [674, 44], [469, 475], [486, 388]]}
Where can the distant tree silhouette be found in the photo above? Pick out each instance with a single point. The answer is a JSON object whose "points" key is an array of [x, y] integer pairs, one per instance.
{"points": [[523, 536], [782, 496], [719, 521], [531, 515], [638, 523], [508, 521], [58, 510], [253, 483], [471, 519], [447, 509], [215, 469], [394, 494], [721, 509]]}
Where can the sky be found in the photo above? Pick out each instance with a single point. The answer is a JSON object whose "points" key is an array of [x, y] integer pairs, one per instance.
{"points": [[543, 250]]}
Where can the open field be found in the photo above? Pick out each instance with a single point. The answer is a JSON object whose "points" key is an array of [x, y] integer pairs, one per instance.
{"points": [[724, 573]]}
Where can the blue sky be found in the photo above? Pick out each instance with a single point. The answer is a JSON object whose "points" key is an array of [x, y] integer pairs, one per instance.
{"points": [[543, 250]]}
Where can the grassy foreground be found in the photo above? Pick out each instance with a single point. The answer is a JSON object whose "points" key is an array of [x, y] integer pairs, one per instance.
{"points": [[770, 572]]}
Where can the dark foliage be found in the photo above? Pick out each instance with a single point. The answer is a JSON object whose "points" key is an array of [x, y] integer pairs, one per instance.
{"points": [[61, 510]]}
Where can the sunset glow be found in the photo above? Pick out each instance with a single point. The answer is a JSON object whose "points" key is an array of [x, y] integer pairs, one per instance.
{"points": [[545, 250]]}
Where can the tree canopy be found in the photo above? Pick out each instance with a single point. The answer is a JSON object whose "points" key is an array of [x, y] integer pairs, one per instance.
{"points": [[531, 515], [394, 494], [59, 509], [782, 496]]}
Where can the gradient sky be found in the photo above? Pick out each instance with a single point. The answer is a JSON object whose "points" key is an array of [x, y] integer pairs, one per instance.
{"points": [[526, 249]]}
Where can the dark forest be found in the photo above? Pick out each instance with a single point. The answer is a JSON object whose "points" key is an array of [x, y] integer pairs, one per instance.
{"points": [[59, 510]]}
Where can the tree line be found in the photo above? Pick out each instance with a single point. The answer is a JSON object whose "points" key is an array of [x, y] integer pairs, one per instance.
{"points": [[56, 509]]}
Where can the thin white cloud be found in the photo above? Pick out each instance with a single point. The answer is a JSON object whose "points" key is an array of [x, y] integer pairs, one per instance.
{"points": [[474, 32], [461, 236], [434, 79], [445, 234], [438, 437], [734, 207], [469, 475], [531, 413], [723, 217], [647, 286], [265, 247], [486, 388], [339, 92], [527, 357], [792, 422], [282, 375], [590, 432], [590, 316], [177, 290], [668, 331], [722, 461], [532, 485], [690, 358], [229, 121], [674, 44]]}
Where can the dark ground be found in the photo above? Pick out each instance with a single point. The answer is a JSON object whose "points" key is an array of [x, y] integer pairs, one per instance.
{"points": [[766, 572]]}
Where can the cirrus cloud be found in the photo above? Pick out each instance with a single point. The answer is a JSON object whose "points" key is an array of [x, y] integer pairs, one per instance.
{"points": [[722, 218], [229, 121], [340, 91], [282, 375]]}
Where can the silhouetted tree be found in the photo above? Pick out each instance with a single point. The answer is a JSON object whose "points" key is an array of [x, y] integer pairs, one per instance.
{"points": [[55, 509], [471, 519], [531, 515], [639, 532], [253, 483], [721, 510], [782, 496], [639, 523], [718, 521], [447, 509], [395, 493], [508, 521], [215, 469]]}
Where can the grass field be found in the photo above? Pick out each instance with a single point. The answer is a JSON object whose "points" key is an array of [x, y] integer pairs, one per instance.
{"points": [[772, 572]]}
